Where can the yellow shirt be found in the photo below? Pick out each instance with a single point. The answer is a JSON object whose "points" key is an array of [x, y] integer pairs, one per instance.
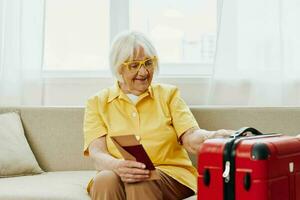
{"points": [[159, 118]]}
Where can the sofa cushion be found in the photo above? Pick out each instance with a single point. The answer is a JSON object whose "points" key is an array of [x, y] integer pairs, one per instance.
{"points": [[16, 157], [63, 185]]}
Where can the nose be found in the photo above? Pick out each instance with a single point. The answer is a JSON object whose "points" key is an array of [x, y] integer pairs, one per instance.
{"points": [[142, 70]]}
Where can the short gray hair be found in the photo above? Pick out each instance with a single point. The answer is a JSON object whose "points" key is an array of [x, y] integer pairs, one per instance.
{"points": [[123, 47]]}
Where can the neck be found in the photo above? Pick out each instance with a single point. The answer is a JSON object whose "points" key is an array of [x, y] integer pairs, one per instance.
{"points": [[127, 90]]}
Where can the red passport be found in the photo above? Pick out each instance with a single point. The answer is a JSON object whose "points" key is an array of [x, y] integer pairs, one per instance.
{"points": [[131, 149]]}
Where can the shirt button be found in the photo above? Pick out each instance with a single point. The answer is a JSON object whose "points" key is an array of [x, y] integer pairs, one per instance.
{"points": [[134, 114], [138, 137]]}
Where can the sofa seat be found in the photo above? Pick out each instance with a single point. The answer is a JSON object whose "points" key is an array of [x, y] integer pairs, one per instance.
{"points": [[61, 185]]}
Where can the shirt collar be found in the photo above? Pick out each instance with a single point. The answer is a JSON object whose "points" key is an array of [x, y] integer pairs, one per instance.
{"points": [[115, 91]]}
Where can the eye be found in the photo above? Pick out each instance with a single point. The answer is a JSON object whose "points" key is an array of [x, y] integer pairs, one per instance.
{"points": [[134, 65], [149, 63]]}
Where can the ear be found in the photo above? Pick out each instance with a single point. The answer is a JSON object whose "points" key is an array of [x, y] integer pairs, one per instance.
{"points": [[120, 73], [120, 70]]}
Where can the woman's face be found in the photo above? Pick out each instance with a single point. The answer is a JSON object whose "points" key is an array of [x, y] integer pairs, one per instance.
{"points": [[136, 82]]}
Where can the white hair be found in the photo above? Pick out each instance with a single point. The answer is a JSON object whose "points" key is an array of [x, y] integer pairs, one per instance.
{"points": [[123, 47]]}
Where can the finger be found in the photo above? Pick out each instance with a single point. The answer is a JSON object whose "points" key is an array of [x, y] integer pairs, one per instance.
{"points": [[134, 171], [139, 171], [224, 133], [129, 180], [134, 164]]}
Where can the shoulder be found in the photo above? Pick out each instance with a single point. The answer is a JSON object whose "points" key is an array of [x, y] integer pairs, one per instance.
{"points": [[165, 91], [101, 96], [161, 87]]}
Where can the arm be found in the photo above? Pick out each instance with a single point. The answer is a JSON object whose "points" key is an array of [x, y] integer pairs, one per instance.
{"points": [[129, 171], [192, 139], [100, 156]]}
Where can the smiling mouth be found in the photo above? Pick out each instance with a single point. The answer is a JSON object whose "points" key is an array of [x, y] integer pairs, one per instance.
{"points": [[140, 79]]}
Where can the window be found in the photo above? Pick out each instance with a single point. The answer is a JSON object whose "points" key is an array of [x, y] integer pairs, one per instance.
{"points": [[183, 32], [78, 33]]}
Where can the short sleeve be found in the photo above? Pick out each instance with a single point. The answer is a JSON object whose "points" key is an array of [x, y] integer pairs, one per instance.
{"points": [[182, 117], [93, 125]]}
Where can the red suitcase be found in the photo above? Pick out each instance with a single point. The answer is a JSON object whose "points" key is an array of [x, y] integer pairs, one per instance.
{"points": [[262, 167]]}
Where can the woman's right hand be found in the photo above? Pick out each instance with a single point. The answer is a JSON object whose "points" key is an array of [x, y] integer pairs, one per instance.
{"points": [[131, 171]]}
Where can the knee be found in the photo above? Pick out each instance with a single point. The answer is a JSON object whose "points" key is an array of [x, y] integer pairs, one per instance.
{"points": [[106, 180]]}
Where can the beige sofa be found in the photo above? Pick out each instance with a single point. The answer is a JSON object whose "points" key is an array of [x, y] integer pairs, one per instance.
{"points": [[56, 138]]}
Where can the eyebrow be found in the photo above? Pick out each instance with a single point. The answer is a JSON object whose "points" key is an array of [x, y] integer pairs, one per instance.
{"points": [[146, 58]]}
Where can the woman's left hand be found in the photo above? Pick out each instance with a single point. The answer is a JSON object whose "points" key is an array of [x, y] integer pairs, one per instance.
{"points": [[224, 133], [192, 140]]}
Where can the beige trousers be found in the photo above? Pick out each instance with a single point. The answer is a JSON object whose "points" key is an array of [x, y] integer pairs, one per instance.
{"points": [[108, 186]]}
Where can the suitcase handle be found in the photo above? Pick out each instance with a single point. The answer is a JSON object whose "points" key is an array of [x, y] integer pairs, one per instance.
{"points": [[241, 132]]}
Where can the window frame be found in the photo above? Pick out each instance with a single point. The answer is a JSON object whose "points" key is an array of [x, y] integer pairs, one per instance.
{"points": [[119, 17]]}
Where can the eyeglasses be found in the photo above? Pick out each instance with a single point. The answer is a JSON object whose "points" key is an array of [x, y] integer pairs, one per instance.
{"points": [[135, 66]]}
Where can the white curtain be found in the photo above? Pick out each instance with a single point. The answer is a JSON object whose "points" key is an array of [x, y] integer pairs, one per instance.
{"points": [[21, 47], [258, 54]]}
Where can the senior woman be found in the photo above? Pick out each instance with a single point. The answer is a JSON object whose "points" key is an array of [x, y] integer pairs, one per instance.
{"points": [[156, 114]]}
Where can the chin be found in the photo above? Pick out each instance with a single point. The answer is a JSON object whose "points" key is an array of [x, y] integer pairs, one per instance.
{"points": [[142, 89]]}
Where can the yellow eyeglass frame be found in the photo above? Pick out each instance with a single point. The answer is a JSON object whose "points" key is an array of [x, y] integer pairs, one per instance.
{"points": [[135, 66]]}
